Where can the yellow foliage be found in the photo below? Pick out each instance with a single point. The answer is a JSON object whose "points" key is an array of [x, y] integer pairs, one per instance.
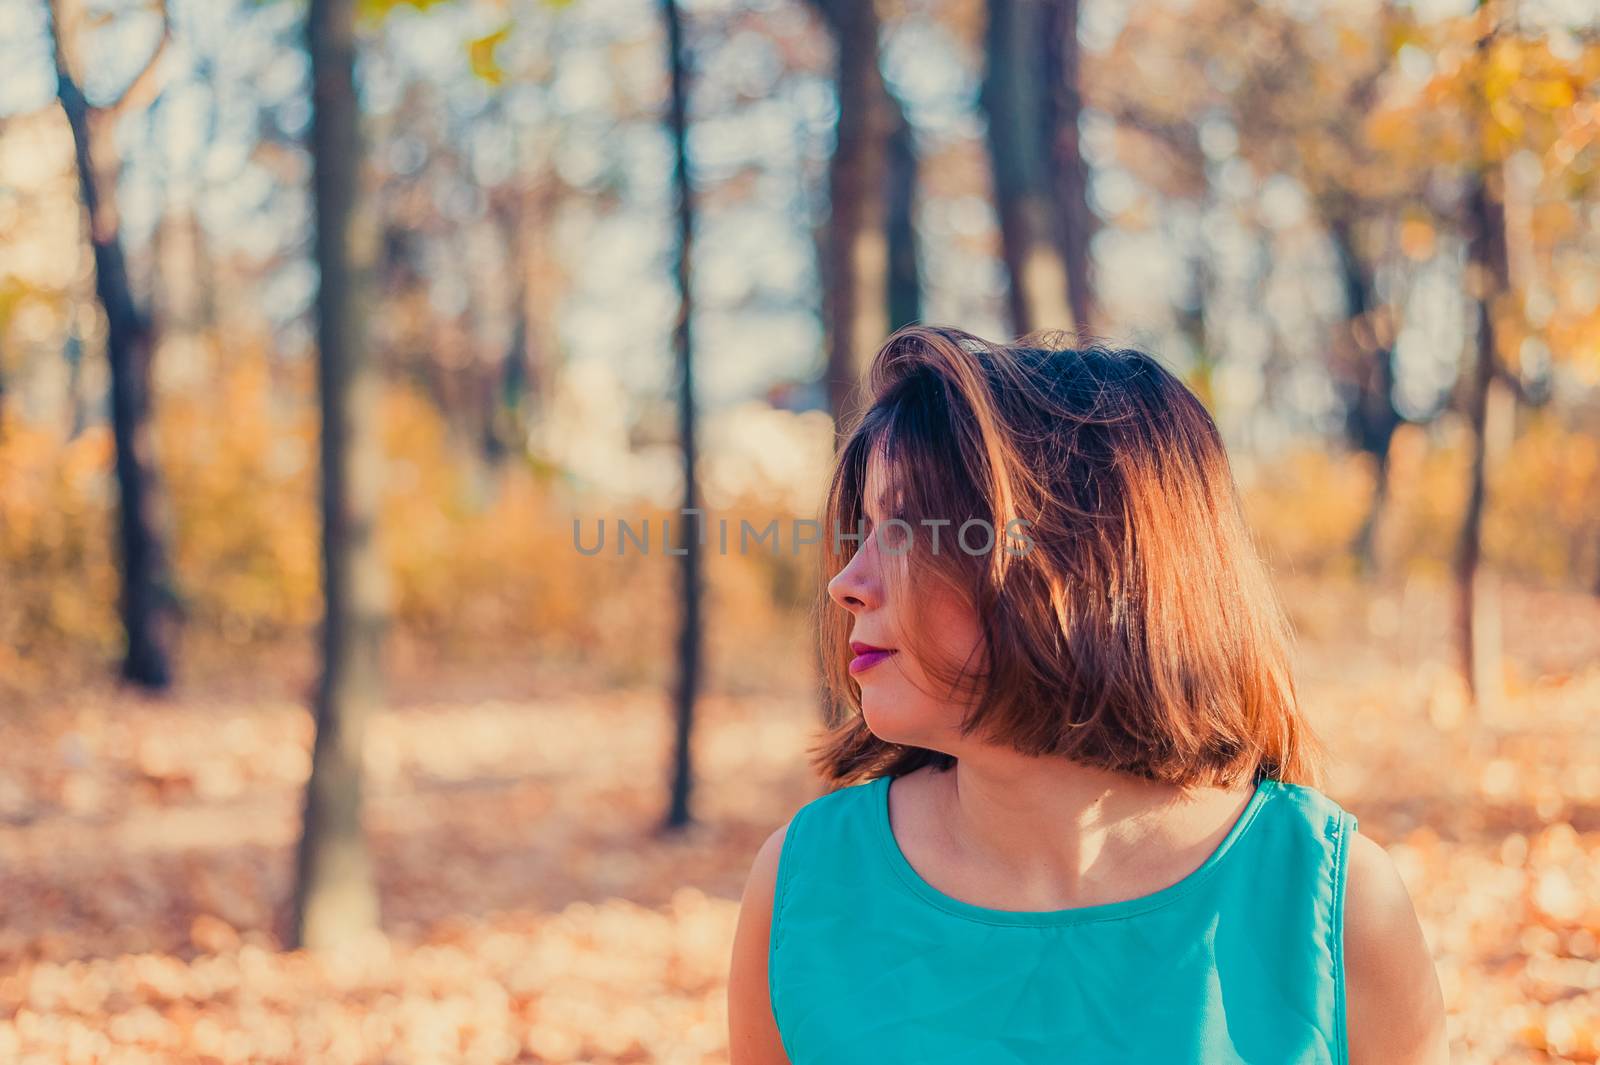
{"points": [[57, 581], [1516, 93], [482, 55], [1307, 507], [1545, 521], [1542, 524], [377, 10], [239, 469]]}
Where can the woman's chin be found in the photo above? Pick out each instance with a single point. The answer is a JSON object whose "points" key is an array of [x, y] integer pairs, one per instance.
{"points": [[886, 718]]}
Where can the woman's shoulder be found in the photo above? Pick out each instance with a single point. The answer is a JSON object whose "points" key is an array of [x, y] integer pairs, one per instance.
{"points": [[752, 1029], [1394, 1005]]}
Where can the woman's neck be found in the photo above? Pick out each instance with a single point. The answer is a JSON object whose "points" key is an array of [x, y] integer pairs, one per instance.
{"points": [[1065, 835]]}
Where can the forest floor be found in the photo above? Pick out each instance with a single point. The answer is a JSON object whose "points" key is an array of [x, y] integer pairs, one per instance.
{"points": [[533, 913]]}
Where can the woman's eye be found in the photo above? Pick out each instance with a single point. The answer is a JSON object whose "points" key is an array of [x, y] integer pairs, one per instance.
{"points": [[896, 531]]}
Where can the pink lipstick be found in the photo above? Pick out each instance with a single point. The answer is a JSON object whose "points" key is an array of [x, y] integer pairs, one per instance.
{"points": [[867, 656]]}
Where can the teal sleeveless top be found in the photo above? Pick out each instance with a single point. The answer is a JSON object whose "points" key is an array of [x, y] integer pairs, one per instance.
{"points": [[1240, 961]]}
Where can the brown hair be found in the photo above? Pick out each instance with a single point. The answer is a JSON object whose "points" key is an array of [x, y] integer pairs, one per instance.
{"points": [[1135, 630]]}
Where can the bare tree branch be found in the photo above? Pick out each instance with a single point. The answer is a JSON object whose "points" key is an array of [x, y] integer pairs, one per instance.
{"points": [[144, 87]]}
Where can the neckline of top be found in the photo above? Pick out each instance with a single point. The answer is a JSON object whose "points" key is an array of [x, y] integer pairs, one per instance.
{"points": [[883, 829]]}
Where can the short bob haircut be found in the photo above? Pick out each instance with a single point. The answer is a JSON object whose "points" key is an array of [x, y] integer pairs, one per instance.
{"points": [[1138, 631]]}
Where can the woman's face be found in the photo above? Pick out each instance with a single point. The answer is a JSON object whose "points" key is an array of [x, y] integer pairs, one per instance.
{"points": [[900, 701]]}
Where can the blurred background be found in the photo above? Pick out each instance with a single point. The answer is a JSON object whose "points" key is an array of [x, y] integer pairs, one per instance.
{"points": [[408, 293]]}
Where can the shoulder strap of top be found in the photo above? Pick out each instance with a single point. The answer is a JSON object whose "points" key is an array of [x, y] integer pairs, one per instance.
{"points": [[827, 831], [826, 878], [1301, 850]]}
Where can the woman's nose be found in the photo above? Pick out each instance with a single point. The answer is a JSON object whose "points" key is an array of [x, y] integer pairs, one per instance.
{"points": [[856, 586]]}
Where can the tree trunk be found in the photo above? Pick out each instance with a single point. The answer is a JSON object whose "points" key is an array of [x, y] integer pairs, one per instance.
{"points": [[905, 278], [129, 345], [521, 385], [336, 899], [1032, 100], [1371, 417], [857, 257], [1013, 101], [689, 638], [1074, 223], [1477, 608], [1488, 280], [1192, 324]]}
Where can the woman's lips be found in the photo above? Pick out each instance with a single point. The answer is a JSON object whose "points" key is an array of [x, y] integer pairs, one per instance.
{"points": [[867, 656]]}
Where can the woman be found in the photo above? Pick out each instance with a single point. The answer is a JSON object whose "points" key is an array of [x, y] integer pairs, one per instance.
{"points": [[1074, 814]]}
